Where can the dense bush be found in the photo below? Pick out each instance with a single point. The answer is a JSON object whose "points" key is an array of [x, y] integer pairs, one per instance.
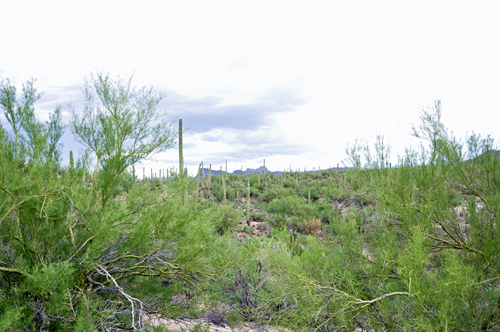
{"points": [[71, 256]]}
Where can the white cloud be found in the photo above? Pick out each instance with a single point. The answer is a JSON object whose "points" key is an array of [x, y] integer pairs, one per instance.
{"points": [[348, 69]]}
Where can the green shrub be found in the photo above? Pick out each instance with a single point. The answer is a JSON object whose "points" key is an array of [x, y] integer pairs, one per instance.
{"points": [[226, 218]]}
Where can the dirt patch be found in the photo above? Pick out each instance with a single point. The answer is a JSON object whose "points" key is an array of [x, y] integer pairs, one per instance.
{"points": [[206, 324]]}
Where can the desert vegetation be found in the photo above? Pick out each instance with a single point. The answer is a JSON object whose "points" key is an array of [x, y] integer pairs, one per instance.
{"points": [[379, 247]]}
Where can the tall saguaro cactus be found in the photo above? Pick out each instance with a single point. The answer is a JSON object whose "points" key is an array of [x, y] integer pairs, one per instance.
{"points": [[181, 156]]}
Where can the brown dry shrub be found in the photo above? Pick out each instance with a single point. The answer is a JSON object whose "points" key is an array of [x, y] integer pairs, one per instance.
{"points": [[310, 226]]}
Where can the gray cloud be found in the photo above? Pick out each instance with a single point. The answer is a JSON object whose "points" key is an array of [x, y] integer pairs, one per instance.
{"points": [[245, 128], [207, 113], [63, 96], [242, 145]]}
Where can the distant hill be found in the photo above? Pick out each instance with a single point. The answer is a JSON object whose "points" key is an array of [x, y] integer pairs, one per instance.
{"points": [[260, 170], [495, 153]]}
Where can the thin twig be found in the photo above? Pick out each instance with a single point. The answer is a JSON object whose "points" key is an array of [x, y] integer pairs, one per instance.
{"points": [[128, 297]]}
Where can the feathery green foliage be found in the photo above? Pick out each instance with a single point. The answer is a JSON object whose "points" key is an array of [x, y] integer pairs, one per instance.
{"points": [[120, 128]]}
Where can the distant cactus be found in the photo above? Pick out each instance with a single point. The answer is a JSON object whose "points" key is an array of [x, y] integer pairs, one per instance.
{"points": [[338, 176], [197, 184], [309, 194], [248, 201], [203, 182], [209, 180], [223, 184]]}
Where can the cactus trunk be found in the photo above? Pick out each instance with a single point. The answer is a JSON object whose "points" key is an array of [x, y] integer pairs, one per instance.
{"points": [[71, 161]]}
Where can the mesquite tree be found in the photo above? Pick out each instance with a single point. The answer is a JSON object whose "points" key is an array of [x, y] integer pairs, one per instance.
{"points": [[36, 140], [120, 127]]}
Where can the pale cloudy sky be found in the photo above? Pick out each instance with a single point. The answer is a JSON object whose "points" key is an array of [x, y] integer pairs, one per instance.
{"points": [[290, 81]]}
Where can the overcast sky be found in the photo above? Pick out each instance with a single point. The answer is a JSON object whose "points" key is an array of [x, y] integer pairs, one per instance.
{"points": [[290, 81]]}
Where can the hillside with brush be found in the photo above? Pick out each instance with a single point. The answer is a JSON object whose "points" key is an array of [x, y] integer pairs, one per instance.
{"points": [[373, 246]]}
